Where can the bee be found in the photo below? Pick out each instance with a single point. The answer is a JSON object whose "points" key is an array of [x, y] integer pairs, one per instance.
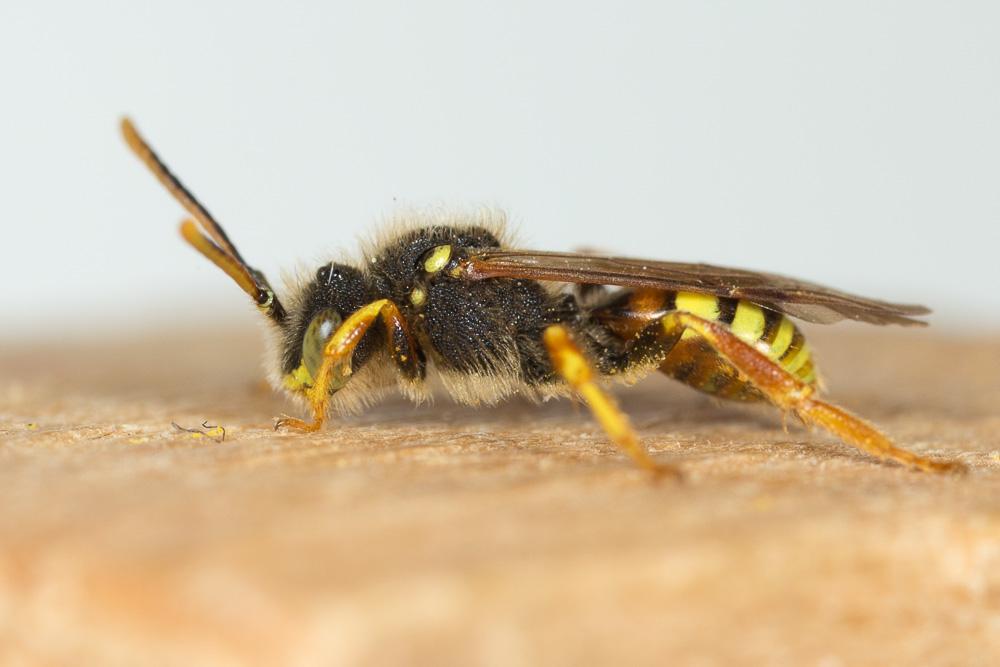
{"points": [[492, 321]]}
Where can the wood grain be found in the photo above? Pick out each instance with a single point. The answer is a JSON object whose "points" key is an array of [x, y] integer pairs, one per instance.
{"points": [[510, 535]]}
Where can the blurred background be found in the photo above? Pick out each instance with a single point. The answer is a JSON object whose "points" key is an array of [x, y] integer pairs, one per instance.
{"points": [[850, 143]]}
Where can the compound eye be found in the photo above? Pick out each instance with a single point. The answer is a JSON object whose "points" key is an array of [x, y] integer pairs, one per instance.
{"points": [[437, 259], [318, 334]]}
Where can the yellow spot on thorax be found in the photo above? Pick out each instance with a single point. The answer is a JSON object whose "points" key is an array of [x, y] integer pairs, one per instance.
{"points": [[418, 296], [438, 259]]}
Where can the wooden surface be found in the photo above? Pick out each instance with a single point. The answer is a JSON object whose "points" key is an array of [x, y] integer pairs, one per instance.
{"points": [[504, 536]]}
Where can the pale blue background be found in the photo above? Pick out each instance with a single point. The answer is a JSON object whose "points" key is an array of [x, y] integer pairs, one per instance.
{"points": [[851, 143]]}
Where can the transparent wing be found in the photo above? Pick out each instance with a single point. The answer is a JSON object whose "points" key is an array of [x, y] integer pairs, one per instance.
{"points": [[797, 298]]}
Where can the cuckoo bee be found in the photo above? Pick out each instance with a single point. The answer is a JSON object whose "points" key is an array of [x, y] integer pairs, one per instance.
{"points": [[492, 321]]}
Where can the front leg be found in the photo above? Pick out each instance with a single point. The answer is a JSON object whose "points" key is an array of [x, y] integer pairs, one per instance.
{"points": [[339, 351]]}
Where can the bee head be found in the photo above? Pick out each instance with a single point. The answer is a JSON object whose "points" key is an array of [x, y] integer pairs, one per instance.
{"points": [[336, 292]]}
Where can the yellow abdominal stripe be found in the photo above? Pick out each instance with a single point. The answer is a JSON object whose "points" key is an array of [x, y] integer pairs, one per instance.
{"points": [[782, 339], [798, 360], [748, 323], [704, 306]]}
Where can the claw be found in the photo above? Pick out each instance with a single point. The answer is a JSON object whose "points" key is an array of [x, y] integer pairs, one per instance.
{"points": [[663, 471], [297, 424], [953, 467]]}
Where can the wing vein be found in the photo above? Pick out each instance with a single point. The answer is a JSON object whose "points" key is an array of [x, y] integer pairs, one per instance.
{"points": [[798, 298]]}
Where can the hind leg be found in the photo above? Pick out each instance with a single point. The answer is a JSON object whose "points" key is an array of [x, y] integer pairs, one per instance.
{"points": [[793, 395]]}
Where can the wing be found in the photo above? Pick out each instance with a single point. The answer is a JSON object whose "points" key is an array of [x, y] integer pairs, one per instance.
{"points": [[798, 298]]}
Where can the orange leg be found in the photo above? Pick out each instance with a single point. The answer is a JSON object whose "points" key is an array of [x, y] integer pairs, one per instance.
{"points": [[571, 364], [339, 352], [792, 395]]}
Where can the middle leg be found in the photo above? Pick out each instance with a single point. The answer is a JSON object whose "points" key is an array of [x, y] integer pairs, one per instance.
{"points": [[572, 366]]}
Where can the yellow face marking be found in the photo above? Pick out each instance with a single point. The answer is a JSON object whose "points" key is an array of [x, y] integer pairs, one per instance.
{"points": [[299, 379], [418, 296], [705, 306], [438, 259], [748, 323], [782, 339]]}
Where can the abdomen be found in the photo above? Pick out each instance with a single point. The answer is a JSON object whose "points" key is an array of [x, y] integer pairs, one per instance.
{"points": [[692, 360]]}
